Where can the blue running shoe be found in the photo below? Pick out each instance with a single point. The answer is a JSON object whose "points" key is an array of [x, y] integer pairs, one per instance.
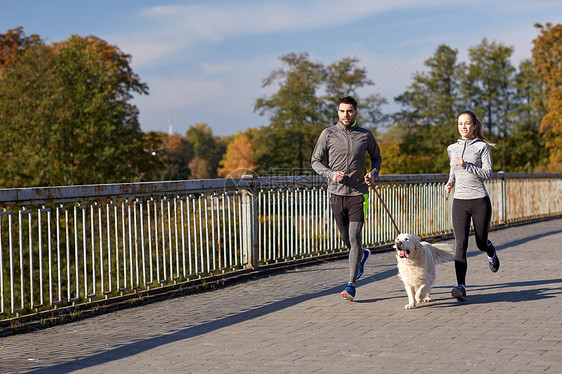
{"points": [[349, 292], [459, 293], [366, 255]]}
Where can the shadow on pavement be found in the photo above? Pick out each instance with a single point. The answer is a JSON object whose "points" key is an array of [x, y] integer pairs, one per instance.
{"points": [[196, 330], [506, 292], [514, 292], [526, 239]]}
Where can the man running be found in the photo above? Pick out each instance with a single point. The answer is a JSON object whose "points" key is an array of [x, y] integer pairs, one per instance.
{"points": [[345, 145]]}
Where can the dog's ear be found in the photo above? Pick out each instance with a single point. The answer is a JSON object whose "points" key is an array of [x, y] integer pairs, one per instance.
{"points": [[417, 241]]}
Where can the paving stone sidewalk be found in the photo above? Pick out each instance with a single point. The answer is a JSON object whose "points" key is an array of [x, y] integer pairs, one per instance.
{"points": [[296, 322]]}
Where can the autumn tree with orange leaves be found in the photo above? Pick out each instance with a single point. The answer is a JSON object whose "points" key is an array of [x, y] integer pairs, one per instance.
{"points": [[547, 57], [13, 43], [239, 156]]}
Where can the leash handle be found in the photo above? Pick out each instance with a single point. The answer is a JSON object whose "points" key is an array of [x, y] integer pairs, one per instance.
{"points": [[385, 208]]}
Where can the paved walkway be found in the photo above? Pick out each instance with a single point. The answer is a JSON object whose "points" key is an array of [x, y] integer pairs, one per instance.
{"points": [[296, 322]]}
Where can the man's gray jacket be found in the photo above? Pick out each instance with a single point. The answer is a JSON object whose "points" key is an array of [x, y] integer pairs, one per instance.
{"points": [[345, 149]]}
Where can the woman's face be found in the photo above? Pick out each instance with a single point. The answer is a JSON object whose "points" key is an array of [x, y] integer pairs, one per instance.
{"points": [[466, 126]]}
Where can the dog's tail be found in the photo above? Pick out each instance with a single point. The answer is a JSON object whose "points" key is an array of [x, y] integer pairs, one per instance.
{"points": [[443, 252]]}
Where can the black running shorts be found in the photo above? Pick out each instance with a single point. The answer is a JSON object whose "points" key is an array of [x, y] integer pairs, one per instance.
{"points": [[348, 209]]}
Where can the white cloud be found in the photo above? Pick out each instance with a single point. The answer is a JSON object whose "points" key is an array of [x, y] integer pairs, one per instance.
{"points": [[177, 28]]}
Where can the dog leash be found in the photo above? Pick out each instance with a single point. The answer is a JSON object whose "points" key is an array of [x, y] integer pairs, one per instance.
{"points": [[385, 208]]}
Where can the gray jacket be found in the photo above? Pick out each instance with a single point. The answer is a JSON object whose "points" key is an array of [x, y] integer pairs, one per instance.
{"points": [[469, 180], [345, 149]]}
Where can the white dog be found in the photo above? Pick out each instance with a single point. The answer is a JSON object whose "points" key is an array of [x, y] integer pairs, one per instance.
{"points": [[416, 265]]}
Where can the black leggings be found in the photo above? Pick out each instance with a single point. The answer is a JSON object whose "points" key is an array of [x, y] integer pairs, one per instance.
{"points": [[480, 210]]}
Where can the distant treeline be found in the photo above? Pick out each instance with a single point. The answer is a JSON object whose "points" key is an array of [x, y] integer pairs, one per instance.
{"points": [[67, 118]]}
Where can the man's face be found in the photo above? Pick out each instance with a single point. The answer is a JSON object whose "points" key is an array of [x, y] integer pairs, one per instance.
{"points": [[347, 114]]}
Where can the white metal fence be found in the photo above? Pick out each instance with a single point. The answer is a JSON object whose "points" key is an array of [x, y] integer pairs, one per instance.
{"points": [[75, 245]]}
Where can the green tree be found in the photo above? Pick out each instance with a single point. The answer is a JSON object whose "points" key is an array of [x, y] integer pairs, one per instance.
{"points": [[204, 150], [346, 78], [430, 106], [306, 103], [507, 101], [296, 113], [66, 117], [486, 85], [523, 149]]}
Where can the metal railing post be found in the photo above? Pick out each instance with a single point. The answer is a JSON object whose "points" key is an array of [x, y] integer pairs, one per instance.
{"points": [[250, 223], [503, 211]]}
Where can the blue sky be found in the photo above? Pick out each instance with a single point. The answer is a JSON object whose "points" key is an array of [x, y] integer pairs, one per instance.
{"points": [[204, 61]]}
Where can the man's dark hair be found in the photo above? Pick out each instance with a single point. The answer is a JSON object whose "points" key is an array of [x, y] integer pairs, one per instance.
{"points": [[347, 100]]}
